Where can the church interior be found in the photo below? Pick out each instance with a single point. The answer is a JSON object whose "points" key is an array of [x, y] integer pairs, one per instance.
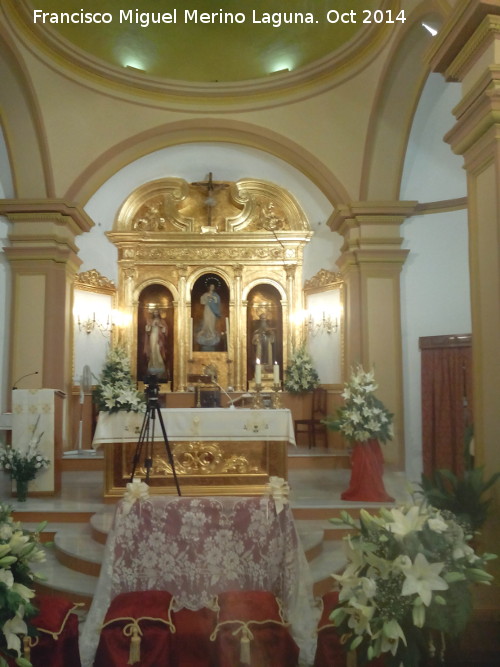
{"points": [[208, 192]]}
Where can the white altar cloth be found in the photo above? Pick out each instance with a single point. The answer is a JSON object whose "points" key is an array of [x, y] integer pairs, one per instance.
{"points": [[185, 424], [196, 548]]}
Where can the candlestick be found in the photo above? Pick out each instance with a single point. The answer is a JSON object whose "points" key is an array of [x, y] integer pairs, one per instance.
{"points": [[276, 373], [258, 372]]}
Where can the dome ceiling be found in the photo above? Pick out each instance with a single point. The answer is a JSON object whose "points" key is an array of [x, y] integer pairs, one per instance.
{"points": [[253, 46]]}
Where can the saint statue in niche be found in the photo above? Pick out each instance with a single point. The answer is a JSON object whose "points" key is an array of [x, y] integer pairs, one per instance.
{"points": [[155, 345], [263, 341], [208, 336]]}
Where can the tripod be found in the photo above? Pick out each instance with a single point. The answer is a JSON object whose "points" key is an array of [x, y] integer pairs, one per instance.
{"points": [[147, 433]]}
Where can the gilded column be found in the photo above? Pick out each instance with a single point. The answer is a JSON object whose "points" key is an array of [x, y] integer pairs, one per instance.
{"points": [[468, 50], [237, 322], [183, 344], [370, 264]]}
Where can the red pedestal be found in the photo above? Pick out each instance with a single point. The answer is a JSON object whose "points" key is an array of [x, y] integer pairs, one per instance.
{"points": [[367, 468]]}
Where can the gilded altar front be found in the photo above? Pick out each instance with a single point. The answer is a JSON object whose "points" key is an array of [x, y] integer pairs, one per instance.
{"points": [[210, 276], [214, 451]]}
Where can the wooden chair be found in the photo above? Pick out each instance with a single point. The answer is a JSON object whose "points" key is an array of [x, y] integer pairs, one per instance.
{"points": [[313, 426]]}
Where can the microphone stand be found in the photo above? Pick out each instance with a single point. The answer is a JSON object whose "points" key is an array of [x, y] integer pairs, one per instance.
{"points": [[22, 378]]}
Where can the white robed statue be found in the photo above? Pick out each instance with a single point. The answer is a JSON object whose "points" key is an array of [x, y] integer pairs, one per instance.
{"points": [[208, 336]]}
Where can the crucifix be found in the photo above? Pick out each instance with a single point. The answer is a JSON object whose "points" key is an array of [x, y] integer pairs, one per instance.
{"points": [[210, 201]]}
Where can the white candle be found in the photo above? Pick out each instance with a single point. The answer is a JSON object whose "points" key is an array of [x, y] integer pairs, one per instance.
{"points": [[276, 373], [258, 372]]}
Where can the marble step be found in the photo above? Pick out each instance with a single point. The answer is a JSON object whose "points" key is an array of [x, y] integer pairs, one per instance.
{"points": [[76, 549], [76, 586]]}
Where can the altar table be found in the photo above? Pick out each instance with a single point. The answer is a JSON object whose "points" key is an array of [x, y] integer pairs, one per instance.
{"points": [[198, 548], [216, 451]]}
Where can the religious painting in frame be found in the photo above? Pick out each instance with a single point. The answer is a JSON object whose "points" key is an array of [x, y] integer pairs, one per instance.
{"points": [[155, 335], [209, 314]]}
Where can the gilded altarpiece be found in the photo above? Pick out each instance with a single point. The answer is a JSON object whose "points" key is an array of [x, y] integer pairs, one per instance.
{"points": [[243, 238], [204, 268]]}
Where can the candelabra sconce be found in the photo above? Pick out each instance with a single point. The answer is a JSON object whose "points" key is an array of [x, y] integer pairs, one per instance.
{"points": [[276, 399], [257, 402], [90, 324], [326, 324]]}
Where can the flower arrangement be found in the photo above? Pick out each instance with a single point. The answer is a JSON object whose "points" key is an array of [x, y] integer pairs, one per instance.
{"points": [[23, 466], [408, 575], [116, 390], [18, 550], [363, 416], [301, 376]]}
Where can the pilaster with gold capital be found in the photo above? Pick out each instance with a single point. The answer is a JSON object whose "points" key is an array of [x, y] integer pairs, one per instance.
{"points": [[43, 260], [370, 264], [468, 50]]}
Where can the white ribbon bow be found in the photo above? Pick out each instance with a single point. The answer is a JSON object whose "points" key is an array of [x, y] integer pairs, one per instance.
{"points": [[278, 489], [136, 490]]}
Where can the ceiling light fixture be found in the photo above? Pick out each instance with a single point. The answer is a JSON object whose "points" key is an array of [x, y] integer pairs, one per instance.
{"points": [[430, 29]]}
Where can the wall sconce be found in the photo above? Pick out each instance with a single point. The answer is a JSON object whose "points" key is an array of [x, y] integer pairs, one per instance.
{"points": [[324, 324], [89, 324]]}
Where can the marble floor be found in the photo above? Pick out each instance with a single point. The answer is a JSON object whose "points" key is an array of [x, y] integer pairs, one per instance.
{"points": [[309, 487]]}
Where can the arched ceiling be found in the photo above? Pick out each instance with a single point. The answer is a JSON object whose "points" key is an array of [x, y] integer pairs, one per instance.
{"points": [[196, 51]]}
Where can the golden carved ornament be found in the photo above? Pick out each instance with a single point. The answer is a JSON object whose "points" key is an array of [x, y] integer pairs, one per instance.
{"points": [[323, 280], [173, 205], [93, 281]]}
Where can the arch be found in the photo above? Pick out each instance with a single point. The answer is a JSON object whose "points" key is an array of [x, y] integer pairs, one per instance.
{"points": [[138, 289], [394, 108], [206, 130], [264, 281], [23, 130]]}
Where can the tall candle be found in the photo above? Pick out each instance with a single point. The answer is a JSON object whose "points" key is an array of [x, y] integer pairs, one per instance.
{"points": [[276, 373], [258, 372]]}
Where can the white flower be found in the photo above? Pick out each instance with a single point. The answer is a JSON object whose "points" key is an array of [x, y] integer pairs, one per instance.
{"points": [[18, 542], [404, 524], [22, 590], [6, 577], [12, 629], [437, 524], [391, 634], [422, 578]]}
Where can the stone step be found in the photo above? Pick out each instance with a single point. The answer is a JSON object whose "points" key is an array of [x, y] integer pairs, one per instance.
{"points": [[76, 550], [75, 586]]}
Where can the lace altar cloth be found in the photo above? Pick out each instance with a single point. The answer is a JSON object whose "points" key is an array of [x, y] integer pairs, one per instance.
{"points": [[196, 548]]}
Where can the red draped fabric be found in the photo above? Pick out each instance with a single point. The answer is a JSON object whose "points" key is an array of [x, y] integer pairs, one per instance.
{"points": [[147, 612], [57, 641], [367, 469], [446, 405], [251, 631]]}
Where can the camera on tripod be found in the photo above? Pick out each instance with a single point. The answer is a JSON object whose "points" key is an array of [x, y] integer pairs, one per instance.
{"points": [[152, 387]]}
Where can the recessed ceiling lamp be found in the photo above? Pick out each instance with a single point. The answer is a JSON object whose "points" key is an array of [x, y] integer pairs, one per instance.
{"points": [[430, 29]]}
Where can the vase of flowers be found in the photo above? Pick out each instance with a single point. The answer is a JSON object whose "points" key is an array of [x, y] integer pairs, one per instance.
{"points": [[23, 466], [363, 416], [19, 550], [116, 390], [408, 578], [365, 422], [301, 376]]}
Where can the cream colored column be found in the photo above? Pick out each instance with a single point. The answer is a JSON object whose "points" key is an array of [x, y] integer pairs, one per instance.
{"points": [[370, 264], [43, 259], [468, 50]]}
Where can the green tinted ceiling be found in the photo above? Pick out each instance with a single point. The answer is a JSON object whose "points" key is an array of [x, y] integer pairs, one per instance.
{"points": [[203, 52]]}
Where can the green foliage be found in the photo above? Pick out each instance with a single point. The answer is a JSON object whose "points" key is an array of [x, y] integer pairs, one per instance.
{"points": [[407, 581], [301, 376], [19, 549], [116, 390], [461, 495]]}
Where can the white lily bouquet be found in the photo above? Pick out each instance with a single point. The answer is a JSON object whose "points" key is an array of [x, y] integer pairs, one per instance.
{"points": [[408, 578], [19, 549], [363, 416], [23, 466], [301, 376], [116, 390]]}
